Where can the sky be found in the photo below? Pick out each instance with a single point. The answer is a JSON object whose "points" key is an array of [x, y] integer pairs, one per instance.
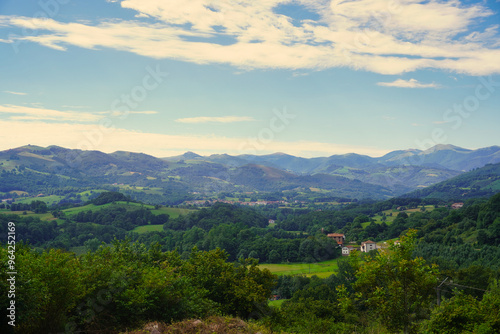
{"points": [[303, 77]]}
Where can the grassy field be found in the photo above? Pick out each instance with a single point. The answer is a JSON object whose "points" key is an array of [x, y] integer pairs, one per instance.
{"points": [[276, 303], [320, 269], [148, 228], [172, 212], [390, 219]]}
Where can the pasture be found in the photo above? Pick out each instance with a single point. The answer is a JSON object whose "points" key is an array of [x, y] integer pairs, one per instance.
{"points": [[320, 269]]}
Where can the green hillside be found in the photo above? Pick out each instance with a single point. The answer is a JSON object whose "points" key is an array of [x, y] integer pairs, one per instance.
{"points": [[481, 182]]}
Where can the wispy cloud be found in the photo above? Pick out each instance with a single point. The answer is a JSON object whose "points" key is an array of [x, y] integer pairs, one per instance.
{"points": [[375, 35], [412, 83], [14, 93], [146, 112], [30, 113], [223, 119]]}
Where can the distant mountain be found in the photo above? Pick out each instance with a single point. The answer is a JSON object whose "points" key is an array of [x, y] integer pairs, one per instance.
{"points": [[186, 156], [445, 157], [348, 175], [481, 182], [400, 171]]}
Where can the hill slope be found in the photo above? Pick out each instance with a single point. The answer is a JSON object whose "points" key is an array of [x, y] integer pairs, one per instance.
{"points": [[480, 182]]}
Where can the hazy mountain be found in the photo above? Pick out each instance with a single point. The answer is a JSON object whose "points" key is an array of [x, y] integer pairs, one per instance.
{"points": [[401, 171], [446, 157], [186, 156]]}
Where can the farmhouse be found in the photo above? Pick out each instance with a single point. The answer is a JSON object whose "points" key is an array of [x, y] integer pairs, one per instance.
{"points": [[368, 246], [457, 205], [346, 250], [338, 237]]}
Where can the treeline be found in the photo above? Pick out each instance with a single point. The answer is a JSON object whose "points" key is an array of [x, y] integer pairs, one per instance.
{"points": [[35, 206], [125, 285], [121, 217]]}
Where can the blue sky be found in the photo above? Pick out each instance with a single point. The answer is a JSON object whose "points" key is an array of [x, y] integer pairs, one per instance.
{"points": [[308, 78]]}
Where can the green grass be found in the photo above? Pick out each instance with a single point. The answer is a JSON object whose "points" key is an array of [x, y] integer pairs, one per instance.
{"points": [[148, 228], [92, 207], [276, 303], [320, 269], [43, 216], [390, 219], [50, 200]]}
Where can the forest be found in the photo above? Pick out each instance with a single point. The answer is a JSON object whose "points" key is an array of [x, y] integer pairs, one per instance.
{"points": [[204, 263]]}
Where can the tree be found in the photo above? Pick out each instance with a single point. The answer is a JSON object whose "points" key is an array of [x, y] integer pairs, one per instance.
{"points": [[240, 289], [397, 287], [91, 245], [465, 314], [274, 256], [254, 255]]}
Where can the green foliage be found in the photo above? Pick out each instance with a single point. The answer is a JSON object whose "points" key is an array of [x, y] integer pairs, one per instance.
{"points": [[128, 284], [396, 287], [109, 197], [465, 314], [239, 289]]}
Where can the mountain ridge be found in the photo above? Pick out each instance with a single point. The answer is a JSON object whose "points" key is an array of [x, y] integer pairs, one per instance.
{"points": [[355, 175]]}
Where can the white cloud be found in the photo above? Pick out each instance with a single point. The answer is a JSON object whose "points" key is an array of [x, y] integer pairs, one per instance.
{"points": [[376, 35], [95, 137], [40, 113], [223, 119], [30, 113], [412, 83], [14, 93], [146, 112]]}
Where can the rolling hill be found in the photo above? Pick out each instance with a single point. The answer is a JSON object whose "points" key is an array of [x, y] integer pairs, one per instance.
{"points": [[65, 172]]}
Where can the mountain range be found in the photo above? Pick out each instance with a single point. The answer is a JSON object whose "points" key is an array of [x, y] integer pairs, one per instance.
{"points": [[349, 175], [400, 171]]}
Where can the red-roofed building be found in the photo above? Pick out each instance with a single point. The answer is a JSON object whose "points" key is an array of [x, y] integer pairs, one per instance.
{"points": [[338, 237]]}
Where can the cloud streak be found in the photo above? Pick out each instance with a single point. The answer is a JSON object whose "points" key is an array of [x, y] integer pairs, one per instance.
{"points": [[223, 119], [14, 93], [30, 113], [374, 35], [412, 83]]}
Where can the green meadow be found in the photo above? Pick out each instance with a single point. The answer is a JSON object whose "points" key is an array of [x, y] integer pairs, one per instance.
{"points": [[148, 228], [320, 269]]}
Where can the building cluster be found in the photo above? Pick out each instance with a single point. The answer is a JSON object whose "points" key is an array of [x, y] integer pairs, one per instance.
{"points": [[365, 247]]}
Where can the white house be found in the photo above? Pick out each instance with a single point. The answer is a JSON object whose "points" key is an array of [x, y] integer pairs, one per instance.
{"points": [[346, 250], [368, 246]]}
